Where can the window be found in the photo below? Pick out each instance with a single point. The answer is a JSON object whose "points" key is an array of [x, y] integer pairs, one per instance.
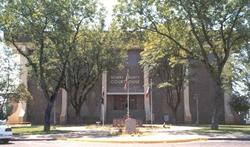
{"points": [[133, 103], [120, 102]]}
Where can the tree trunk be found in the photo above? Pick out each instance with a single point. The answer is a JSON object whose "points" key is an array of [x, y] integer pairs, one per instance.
{"points": [[218, 105], [47, 116], [174, 116], [78, 116], [215, 119]]}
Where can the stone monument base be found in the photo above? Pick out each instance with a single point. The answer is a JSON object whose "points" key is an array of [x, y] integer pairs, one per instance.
{"points": [[130, 125]]}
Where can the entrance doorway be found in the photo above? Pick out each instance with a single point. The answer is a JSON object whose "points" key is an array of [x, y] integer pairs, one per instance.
{"points": [[117, 107]]}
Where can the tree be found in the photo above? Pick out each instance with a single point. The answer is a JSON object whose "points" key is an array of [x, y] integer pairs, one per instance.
{"points": [[9, 71], [171, 82], [241, 81], [241, 74], [239, 103], [86, 64], [50, 30], [212, 31], [164, 64], [19, 94]]}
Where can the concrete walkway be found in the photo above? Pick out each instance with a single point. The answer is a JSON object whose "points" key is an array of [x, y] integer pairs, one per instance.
{"points": [[156, 134]]}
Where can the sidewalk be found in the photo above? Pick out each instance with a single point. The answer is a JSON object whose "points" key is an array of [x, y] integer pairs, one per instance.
{"points": [[173, 134]]}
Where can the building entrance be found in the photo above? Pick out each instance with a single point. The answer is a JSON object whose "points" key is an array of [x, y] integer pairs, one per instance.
{"points": [[115, 92], [117, 107]]}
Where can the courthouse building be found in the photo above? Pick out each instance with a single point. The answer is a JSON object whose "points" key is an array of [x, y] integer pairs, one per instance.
{"points": [[196, 104]]}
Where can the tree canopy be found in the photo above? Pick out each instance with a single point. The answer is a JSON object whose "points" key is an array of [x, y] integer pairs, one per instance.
{"points": [[207, 31], [49, 30], [8, 83], [94, 54]]}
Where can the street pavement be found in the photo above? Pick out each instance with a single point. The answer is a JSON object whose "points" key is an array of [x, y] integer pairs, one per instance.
{"points": [[148, 135], [61, 143]]}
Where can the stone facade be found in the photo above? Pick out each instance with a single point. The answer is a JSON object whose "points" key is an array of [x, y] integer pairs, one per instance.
{"points": [[110, 87]]}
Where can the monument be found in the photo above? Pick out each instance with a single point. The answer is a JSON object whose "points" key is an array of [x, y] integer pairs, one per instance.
{"points": [[130, 125]]}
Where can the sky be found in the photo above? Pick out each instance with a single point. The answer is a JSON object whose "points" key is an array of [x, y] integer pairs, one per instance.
{"points": [[108, 4]]}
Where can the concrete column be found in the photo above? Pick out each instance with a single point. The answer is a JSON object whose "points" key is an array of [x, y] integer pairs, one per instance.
{"points": [[63, 115], [104, 95], [187, 113], [19, 116], [146, 97], [23, 70], [24, 80]]}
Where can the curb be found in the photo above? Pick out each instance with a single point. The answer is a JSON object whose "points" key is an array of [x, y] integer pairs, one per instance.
{"points": [[130, 141], [140, 141], [33, 139], [240, 139]]}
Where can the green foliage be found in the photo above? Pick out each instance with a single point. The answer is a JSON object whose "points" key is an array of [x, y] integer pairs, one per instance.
{"points": [[165, 84], [123, 39], [21, 93], [35, 130], [241, 74], [5, 111], [9, 72], [240, 103], [201, 29], [91, 57], [208, 31], [48, 31], [168, 64]]}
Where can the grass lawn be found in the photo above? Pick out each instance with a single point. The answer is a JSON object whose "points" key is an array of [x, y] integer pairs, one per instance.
{"points": [[34, 130], [142, 131], [223, 129]]}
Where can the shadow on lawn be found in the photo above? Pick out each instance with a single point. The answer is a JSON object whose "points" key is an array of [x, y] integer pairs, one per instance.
{"points": [[61, 134], [95, 132], [228, 130]]}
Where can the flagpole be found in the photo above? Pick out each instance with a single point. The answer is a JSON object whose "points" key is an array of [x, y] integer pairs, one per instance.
{"points": [[151, 101], [128, 93], [103, 113]]}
